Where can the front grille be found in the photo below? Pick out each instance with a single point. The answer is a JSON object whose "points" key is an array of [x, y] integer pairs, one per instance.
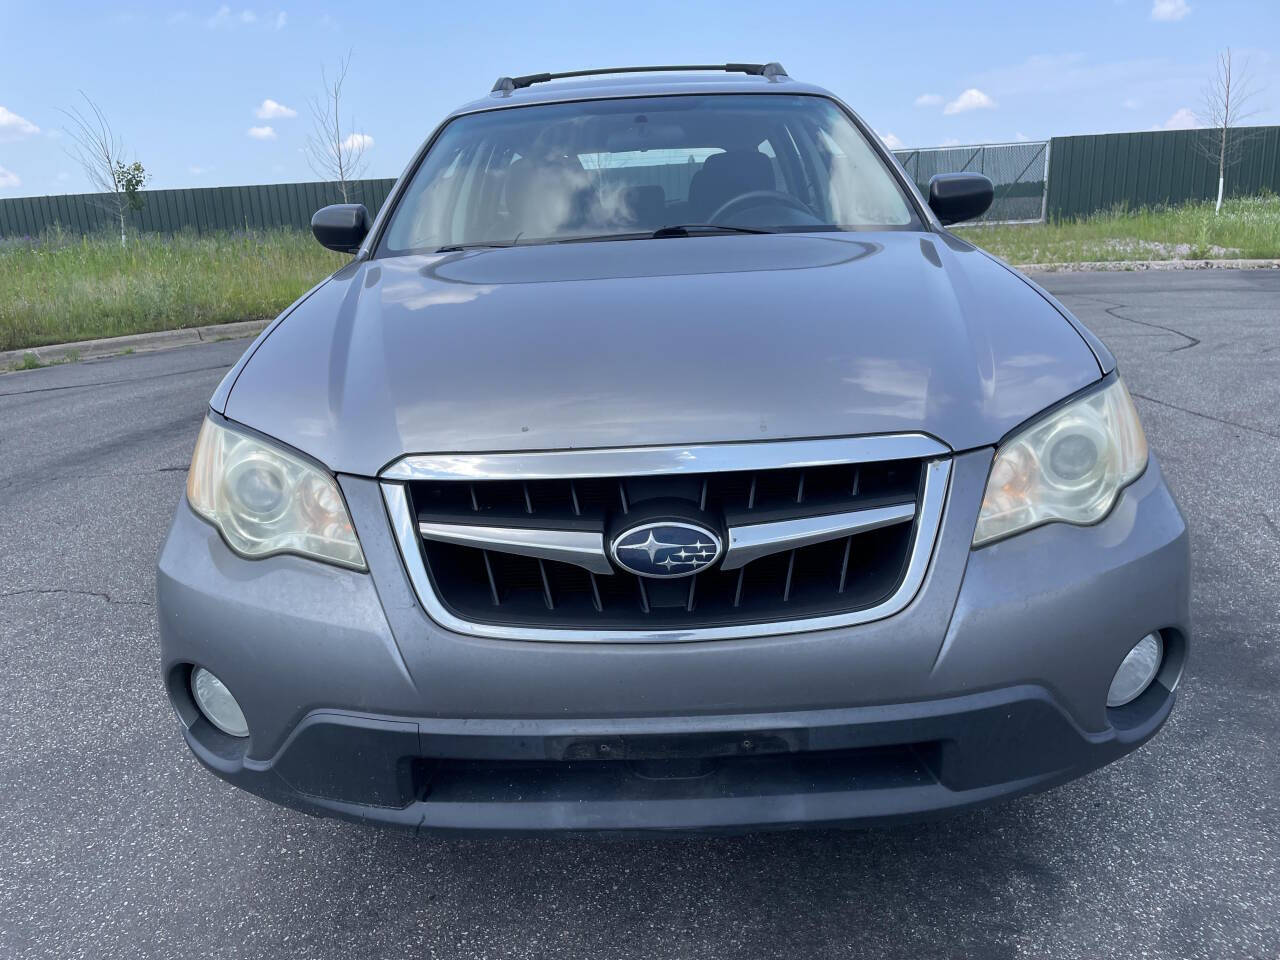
{"points": [[837, 576]]}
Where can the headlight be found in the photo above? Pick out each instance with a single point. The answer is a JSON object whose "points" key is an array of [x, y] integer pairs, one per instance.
{"points": [[1069, 466], [266, 500]]}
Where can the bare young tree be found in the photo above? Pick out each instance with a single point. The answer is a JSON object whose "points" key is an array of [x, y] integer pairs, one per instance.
{"points": [[335, 151], [1227, 104], [100, 154]]}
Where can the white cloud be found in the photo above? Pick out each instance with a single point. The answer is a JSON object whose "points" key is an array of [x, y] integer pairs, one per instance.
{"points": [[13, 126], [262, 133], [891, 140], [971, 99], [1169, 10], [1021, 137], [358, 141], [270, 110], [281, 19], [9, 179], [1131, 103], [950, 142], [928, 100], [1183, 119], [196, 170], [224, 16]]}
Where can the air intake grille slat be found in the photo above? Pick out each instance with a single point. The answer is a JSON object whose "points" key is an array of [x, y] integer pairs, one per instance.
{"points": [[546, 584], [595, 594], [488, 585], [493, 584]]}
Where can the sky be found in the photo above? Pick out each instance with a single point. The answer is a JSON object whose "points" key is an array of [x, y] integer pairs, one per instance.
{"points": [[212, 94]]}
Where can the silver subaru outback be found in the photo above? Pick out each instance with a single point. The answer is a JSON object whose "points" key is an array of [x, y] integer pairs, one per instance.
{"points": [[660, 461]]}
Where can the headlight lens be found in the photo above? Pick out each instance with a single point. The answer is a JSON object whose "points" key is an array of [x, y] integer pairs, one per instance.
{"points": [[1070, 466], [266, 500]]}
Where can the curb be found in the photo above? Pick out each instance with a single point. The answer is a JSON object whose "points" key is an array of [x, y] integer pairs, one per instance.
{"points": [[1136, 265], [136, 342]]}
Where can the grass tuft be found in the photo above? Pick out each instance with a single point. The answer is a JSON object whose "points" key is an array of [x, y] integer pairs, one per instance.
{"points": [[29, 361]]}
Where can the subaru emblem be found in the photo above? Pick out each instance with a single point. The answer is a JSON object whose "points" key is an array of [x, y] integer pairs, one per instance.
{"points": [[666, 549]]}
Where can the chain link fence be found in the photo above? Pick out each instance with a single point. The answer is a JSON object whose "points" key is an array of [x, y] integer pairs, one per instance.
{"points": [[1020, 172]]}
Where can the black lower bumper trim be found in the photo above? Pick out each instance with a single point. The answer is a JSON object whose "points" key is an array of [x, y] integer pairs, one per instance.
{"points": [[826, 767]]}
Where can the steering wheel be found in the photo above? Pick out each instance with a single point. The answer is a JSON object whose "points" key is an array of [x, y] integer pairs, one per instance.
{"points": [[756, 198]]}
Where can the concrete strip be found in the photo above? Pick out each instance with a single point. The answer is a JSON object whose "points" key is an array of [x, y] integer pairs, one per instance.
{"points": [[137, 343]]}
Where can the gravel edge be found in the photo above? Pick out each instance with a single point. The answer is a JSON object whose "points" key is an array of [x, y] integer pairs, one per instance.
{"points": [[1134, 265]]}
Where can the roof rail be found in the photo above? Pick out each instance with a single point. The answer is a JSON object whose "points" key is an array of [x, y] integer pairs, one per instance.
{"points": [[505, 86]]}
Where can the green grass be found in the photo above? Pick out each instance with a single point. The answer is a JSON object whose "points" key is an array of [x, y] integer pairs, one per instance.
{"points": [[60, 288], [1248, 228]]}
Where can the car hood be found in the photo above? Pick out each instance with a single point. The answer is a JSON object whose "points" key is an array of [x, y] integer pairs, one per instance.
{"points": [[671, 341]]}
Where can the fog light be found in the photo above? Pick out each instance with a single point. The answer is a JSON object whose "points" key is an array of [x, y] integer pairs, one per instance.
{"points": [[1136, 671], [217, 704]]}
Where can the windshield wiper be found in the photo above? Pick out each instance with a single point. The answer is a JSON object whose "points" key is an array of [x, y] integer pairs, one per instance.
{"points": [[689, 229], [455, 247]]}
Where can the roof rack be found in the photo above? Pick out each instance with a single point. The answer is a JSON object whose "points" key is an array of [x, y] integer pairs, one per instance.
{"points": [[770, 71]]}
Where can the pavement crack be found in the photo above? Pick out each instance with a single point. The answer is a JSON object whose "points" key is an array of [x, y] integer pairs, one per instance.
{"points": [[109, 475], [65, 591], [1191, 341], [1207, 416], [118, 380]]}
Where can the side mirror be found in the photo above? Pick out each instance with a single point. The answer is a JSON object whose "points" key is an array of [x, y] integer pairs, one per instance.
{"points": [[960, 196], [341, 226]]}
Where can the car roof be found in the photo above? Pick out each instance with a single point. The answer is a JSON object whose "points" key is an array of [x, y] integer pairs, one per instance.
{"points": [[612, 86]]}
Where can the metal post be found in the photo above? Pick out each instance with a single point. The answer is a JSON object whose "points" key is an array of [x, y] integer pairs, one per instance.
{"points": [[1044, 196]]}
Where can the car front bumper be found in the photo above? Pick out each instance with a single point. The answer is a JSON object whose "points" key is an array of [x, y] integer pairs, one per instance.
{"points": [[991, 683]]}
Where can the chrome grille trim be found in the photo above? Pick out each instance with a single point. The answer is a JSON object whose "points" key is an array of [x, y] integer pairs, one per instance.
{"points": [[580, 548], [937, 474], [648, 461], [755, 540]]}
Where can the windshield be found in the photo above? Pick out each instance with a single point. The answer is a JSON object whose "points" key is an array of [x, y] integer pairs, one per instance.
{"points": [[629, 167]]}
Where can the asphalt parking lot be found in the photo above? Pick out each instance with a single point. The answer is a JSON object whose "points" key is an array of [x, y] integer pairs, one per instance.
{"points": [[115, 843]]}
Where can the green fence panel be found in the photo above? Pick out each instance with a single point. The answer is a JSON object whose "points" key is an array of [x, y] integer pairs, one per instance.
{"points": [[199, 210], [1092, 173]]}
